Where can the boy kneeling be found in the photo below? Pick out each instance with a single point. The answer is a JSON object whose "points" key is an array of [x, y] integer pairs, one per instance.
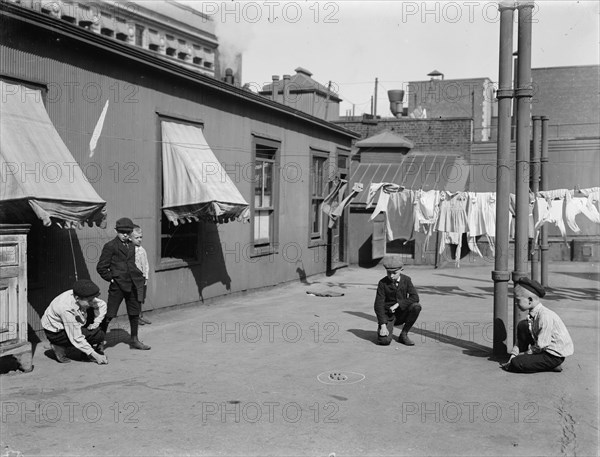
{"points": [[64, 322]]}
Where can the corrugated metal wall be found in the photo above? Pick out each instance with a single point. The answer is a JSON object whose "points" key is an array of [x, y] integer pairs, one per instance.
{"points": [[124, 170]]}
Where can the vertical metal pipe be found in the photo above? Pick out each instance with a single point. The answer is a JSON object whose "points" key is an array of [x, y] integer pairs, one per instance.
{"points": [[535, 187], [523, 94], [375, 98], [544, 186], [500, 275]]}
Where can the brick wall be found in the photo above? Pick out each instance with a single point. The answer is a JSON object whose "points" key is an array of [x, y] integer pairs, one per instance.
{"points": [[568, 96], [450, 136]]}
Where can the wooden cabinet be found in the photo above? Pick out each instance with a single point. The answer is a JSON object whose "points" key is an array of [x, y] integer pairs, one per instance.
{"points": [[13, 294]]}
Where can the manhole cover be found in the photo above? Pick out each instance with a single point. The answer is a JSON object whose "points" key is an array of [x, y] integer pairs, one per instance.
{"points": [[340, 377]]}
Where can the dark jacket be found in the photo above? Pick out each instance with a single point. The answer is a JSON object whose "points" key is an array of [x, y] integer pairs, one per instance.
{"points": [[117, 262], [388, 294]]}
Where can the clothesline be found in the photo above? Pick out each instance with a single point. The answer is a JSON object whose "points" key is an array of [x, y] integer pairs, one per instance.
{"points": [[474, 213]]}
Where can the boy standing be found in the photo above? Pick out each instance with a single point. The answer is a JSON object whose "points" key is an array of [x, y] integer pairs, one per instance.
{"points": [[117, 266], [396, 302], [64, 322], [141, 261]]}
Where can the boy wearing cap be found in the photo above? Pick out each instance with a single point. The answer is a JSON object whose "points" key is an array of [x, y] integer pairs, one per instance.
{"points": [[117, 266], [396, 302], [65, 318], [543, 339]]}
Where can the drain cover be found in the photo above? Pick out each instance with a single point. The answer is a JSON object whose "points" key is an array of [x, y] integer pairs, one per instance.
{"points": [[340, 377]]}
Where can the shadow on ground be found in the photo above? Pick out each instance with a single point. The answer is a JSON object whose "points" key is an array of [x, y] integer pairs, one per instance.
{"points": [[470, 348]]}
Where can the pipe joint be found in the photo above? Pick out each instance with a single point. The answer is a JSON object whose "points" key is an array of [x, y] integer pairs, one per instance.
{"points": [[516, 275], [500, 275], [521, 4], [523, 92], [502, 6], [505, 93]]}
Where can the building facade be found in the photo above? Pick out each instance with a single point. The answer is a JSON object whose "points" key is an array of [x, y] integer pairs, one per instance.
{"points": [[279, 160]]}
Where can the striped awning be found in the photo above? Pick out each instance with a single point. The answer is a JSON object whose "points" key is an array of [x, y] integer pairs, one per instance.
{"points": [[415, 171], [37, 170], [195, 184]]}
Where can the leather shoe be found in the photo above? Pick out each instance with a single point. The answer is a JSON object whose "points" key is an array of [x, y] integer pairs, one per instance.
{"points": [[137, 344], [404, 339], [60, 354], [143, 321]]}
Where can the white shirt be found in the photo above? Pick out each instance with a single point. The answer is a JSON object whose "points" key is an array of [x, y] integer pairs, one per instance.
{"points": [[64, 313], [549, 332]]}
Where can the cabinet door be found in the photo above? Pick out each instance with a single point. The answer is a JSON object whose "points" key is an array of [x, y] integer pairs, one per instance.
{"points": [[9, 309]]}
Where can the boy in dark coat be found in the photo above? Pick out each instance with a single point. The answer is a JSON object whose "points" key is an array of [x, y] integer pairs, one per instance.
{"points": [[117, 266], [396, 302]]}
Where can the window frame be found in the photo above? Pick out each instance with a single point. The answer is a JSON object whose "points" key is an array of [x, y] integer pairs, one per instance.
{"points": [[271, 246], [319, 237]]}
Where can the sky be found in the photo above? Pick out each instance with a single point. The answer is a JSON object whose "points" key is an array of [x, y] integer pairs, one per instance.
{"points": [[350, 43]]}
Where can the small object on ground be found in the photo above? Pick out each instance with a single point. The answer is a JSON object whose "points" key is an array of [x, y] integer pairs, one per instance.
{"points": [[324, 294]]}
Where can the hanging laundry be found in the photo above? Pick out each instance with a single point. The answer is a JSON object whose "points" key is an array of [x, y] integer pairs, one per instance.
{"points": [[426, 213], [337, 212], [551, 212], [594, 201], [401, 215], [376, 187], [387, 189], [579, 205], [453, 212], [481, 212], [453, 218], [426, 209], [589, 190], [554, 194], [333, 199]]}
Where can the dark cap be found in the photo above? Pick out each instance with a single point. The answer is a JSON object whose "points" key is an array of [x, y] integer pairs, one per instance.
{"points": [[124, 225], [532, 286], [84, 288], [393, 262]]}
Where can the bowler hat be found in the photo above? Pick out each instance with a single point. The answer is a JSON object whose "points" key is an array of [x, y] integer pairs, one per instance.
{"points": [[532, 286], [84, 288], [393, 262], [124, 224]]}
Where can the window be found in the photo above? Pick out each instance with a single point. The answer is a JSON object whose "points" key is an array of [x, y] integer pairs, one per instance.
{"points": [[139, 35], [318, 190], [265, 201], [178, 243]]}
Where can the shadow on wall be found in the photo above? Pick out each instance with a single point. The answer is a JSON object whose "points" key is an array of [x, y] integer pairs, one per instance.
{"points": [[365, 255], [212, 269], [51, 266], [399, 246]]}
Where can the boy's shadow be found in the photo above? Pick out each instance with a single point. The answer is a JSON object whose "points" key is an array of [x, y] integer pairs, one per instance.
{"points": [[116, 336], [70, 352], [368, 335]]}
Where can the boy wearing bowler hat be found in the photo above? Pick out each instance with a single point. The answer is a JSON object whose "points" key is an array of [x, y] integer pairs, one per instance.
{"points": [[543, 340], [396, 302], [117, 266], [64, 322]]}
